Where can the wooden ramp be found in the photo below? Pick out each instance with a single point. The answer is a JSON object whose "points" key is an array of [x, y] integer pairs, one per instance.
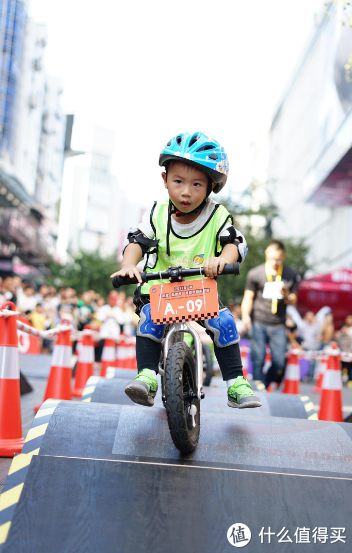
{"points": [[96, 477]]}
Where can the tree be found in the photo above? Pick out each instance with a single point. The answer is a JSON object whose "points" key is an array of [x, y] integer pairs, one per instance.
{"points": [[231, 287], [86, 271]]}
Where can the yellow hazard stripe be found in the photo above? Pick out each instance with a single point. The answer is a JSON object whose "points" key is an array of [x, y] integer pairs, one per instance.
{"points": [[36, 432], [259, 384], [10, 497], [88, 390], [4, 530], [309, 406], [22, 460], [313, 417], [45, 412], [305, 398], [87, 400]]}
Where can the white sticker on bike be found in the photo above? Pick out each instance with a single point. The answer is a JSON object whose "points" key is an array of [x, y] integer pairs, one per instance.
{"points": [[184, 301], [190, 305], [169, 309]]}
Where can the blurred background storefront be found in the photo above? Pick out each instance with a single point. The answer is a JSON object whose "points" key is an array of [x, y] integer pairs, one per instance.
{"points": [[310, 162]]}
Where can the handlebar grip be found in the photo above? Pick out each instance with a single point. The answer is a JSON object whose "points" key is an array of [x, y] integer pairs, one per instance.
{"points": [[124, 281], [231, 269]]}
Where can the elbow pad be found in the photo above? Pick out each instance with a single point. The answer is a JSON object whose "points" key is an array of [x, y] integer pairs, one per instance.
{"points": [[238, 240], [232, 238], [145, 243]]}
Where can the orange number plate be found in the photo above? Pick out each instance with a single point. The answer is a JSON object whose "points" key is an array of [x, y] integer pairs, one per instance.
{"points": [[184, 301]]}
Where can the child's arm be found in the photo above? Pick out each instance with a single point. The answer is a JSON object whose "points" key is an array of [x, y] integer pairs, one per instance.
{"points": [[214, 265], [131, 256]]}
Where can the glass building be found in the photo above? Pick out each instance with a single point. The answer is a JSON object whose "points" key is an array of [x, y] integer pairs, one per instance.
{"points": [[12, 21]]}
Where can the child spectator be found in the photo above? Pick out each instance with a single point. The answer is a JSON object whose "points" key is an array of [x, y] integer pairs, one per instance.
{"points": [[38, 317], [344, 341], [328, 329], [348, 323]]}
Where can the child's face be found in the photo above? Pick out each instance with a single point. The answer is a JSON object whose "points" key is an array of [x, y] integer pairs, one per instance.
{"points": [[187, 186]]}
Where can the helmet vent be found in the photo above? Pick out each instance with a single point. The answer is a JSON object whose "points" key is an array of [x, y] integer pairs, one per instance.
{"points": [[169, 143], [179, 140], [207, 147], [193, 140], [213, 156]]}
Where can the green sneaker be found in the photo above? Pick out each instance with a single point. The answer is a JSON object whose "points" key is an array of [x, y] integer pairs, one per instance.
{"points": [[240, 395], [143, 388]]}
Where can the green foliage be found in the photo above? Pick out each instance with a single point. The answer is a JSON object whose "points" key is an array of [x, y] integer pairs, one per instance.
{"points": [[85, 271], [231, 287]]}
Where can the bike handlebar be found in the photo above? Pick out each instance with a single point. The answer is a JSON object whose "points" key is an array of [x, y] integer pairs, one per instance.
{"points": [[229, 269]]}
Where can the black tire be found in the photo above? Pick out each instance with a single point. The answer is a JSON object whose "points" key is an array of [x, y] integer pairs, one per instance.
{"points": [[180, 378], [207, 365]]}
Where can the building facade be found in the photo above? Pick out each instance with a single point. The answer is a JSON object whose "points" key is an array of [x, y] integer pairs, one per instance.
{"points": [[51, 148], [32, 142], [94, 212], [29, 105], [12, 22], [310, 160]]}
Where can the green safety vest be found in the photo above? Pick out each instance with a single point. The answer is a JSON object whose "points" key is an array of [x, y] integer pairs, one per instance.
{"points": [[185, 252]]}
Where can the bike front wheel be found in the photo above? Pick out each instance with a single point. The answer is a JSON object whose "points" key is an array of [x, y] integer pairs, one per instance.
{"points": [[183, 411]]}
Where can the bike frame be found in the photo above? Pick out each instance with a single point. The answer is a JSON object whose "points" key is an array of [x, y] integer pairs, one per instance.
{"points": [[175, 335]]}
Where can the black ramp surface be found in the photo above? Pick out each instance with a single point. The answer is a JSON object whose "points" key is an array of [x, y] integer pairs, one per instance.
{"points": [[101, 431], [89, 506], [112, 391]]}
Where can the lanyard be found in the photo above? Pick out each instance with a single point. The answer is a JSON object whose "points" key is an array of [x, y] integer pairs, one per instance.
{"points": [[269, 277]]}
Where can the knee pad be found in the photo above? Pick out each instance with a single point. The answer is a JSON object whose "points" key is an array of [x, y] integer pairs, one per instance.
{"points": [[147, 328], [223, 329]]}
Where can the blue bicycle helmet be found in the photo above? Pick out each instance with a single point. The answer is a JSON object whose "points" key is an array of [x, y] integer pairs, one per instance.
{"points": [[201, 151]]}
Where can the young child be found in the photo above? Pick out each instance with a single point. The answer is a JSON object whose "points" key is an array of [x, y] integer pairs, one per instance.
{"points": [[188, 229]]}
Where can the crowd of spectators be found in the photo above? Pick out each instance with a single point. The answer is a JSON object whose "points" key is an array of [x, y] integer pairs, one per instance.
{"points": [[45, 305]]}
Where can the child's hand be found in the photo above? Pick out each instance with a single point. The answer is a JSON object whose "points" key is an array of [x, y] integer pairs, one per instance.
{"points": [[214, 266], [130, 271]]}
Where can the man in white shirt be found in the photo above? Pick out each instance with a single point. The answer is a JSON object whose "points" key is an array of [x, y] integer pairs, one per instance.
{"points": [[27, 301], [111, 316]]}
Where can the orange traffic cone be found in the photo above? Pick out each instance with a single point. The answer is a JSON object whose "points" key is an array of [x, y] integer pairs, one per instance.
{"points": [[59, 382], [108, 356], [134, 358], [331, 394], [244, 359], [27, 343], [121, 353], [85, 363], [267, 361], [130, 361], [270, 388], [292, 376], [322, 364], [11, 440]]}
